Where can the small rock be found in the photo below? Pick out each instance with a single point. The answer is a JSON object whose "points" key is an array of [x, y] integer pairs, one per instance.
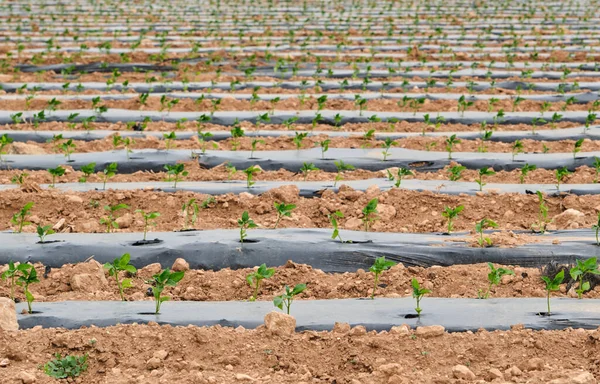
{"points": [[353, 224], [430, 331], [359, 330], [285, 194], [162, 354], [400, 329], [154, 363], [391, 369], [494, 373], [18, 148], [180, 265], [568, 218], [8, 315], [243, 377], [513, 371], [74, 199], [151, 269], [280, 323], [26, 377], [125, 221], [341, 327], [87, 282], [59, 225], [4, 363], [462, 372], [535, 364]]}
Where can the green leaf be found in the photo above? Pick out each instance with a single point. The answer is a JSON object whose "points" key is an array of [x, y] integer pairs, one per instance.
{"points": [[278, 302]]}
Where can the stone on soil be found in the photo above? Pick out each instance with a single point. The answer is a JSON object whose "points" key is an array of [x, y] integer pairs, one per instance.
{"points": [[280, 323], [8, 315]]}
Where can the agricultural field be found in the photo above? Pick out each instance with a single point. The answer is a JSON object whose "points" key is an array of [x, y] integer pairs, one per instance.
{"points": [[348, 192]]}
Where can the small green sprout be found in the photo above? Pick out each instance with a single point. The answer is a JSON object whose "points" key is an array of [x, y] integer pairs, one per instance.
{"points": [[245, 223], [560, 174], [579, 272], [283, 209], [577, 147], [149, 218], [159, 282], [298, 139], [401, 173], [108, 172], [250, 172], [236, 133], [306, 168], [324, 147], [11, 274], [451, 214], [418, 294], [19, 217], [479, 227], [255, 142], [341, 167], [525, 170], [110, 220], [4, 141], [380, 265], [20, 178], [66, 367], [231, 170], [121, 264], [176, 173], [333, 220], [370, 214], [190, 212], [44, 231], [387, 144], [553, 285], [450, 143], [456, 172], [485, 171], [56, 172], [28, 276], [494, 278], [87, 171], [287, 298], [255, 278], [517, 148], [68, 148], [169, 140], [596, 227]]}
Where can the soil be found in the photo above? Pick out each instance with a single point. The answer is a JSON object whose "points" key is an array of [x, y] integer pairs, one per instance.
{"points": [[458, 281], [399, 210], [160, 354]]}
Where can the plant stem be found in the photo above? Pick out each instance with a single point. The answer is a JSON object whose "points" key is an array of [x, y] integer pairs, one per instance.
{"points": [[256, 290], [375, 286], [548, 302], [119, 285], [277, 222], [12, 288]]}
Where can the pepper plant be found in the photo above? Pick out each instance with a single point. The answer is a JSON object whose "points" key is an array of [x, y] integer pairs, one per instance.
{"points": [[306, 168], [11, 274], [418, 294], [400, 174], [159, 282], [494, 277], [450, 143], [485, 171], [287, 298], [341, 167], [43, 231], [596, 227], [370, 214], [387, 144], [87, 171], [479, 227], [149, 219], [324, 147], [580, 271], [333, 220], [543, 213], [517, 148], [110, 220], [4, 141], [451, 214], [254, 143], [553, 285], [176, 173], [56, 172], [245, 223], [577, 147], [456, 172], [380, 265], [190, 212], [121, 264], [19, 218], [28, 276], [298, 139], [108, 172], [250, 172], [560, 174], [255, 278], [283, 209], [525, 170]]}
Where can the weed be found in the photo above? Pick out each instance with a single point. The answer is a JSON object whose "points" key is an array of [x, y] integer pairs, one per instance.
{"points": [[553, 285], [494, 277], [66, 367], [245, 223], [121, 264], [148, 218], [479, 227], [44, 231], [287, 298], [19, 217], [110, 220], [418, 294], [19, 179], [370, 214], [380, 265], [176, 173], [159, 282], [451, 214], [255, 278], [283, 209], [579, 272]]}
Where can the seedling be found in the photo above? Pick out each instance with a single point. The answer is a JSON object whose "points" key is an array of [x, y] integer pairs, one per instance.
{"points": [[543, 213], [110, 220], [169, 140], [203, 138], [387, 144], [479, 227], [298, 139], [121, 264], [255, 278], [451, 214], [108, 172], [560, 174], [596, 227], [485, 171], [283, 209], [245, 223], [148, 219], [19, 217], [553, 285], [28, 276], [176, 173], [4, 141], [380, 265], [306, 168], [11, 274], [287, 298], [236, 133], [401, 173], [494, 278], [341, 167], [333, 220], [68, 148], [463, 104], [20, 178], [324, 147], [581, 270], [487, 135], [66, 367], [370, 214], [190, 212], [456, 172], [597, 168], [418, 294], [44, 231], [56, 172], [87, 171], [159, 282], [577, 147], [450, 143], [255, 142], [250, 172], [525, 170]]}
